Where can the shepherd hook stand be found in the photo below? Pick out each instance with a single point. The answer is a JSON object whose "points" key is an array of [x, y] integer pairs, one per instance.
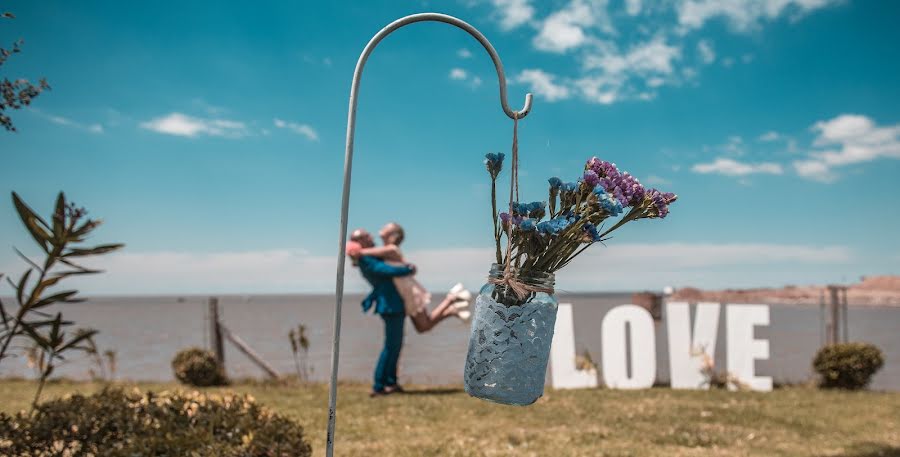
{"points": [[348, 164]]}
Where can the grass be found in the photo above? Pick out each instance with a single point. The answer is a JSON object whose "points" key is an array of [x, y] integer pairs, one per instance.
{"points": [[795, 421]]}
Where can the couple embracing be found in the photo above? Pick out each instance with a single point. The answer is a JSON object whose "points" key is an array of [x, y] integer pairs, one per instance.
{"points": [[396, 294]]}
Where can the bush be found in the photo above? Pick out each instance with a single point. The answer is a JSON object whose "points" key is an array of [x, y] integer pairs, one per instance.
{"points": [[198, 367], [117, 424], [848, 365]]}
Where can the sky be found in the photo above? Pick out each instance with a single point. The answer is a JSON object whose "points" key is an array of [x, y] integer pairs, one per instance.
{"points": [[209, 136]]}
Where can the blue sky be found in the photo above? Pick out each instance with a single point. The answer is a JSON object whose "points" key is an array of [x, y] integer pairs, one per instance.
{"points": [[209, 136]]}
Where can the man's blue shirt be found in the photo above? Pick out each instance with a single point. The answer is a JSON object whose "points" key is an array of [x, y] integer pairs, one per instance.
{"points": [[384, 295]]}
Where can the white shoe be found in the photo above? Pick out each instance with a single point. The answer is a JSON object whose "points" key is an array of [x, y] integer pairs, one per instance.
{"points": [[461, 293], [464, 315], [461, 305]]}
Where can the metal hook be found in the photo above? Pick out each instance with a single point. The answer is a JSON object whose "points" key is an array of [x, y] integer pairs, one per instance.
{"points": [[348, 164]]}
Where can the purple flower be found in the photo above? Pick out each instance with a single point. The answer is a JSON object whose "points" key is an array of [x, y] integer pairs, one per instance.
{"points": [[659, 203], [591, 178], [504, 217], [621, 185]]}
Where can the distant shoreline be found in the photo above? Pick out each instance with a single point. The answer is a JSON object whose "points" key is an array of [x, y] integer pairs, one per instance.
{"points": [[871, 291]]}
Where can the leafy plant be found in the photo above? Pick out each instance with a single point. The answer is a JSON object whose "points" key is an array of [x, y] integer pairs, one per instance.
{"points": [[61, 242], [300, 349], [198, 367], [104, 368], [114, 423], [848, 365], [18, 93]]}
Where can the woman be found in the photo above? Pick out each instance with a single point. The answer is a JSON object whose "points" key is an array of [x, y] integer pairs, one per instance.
{"points": [[415, 297]]}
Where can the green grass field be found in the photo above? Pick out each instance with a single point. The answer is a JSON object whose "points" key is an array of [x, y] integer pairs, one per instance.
{"points": [[656, 422]]}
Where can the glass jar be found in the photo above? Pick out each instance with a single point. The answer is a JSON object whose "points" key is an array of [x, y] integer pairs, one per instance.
{"points": [[509, 346]]}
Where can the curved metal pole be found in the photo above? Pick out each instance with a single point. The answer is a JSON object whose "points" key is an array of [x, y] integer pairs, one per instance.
{"points": [[348, 164]]}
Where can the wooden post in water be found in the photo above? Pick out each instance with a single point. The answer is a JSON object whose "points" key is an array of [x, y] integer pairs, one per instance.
{"points": [[215, 332]]}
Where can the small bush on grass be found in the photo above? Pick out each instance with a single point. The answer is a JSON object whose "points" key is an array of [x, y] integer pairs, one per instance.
{"points": [[117, 424], [198, 367], [848, 365]]}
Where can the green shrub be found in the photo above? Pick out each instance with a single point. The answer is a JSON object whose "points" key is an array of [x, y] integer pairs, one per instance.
{"points": [[848, 365], [198, 367], [114, 423]]}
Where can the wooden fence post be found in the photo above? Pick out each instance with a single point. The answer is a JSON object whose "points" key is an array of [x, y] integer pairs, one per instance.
{"points": [[215, 331]]}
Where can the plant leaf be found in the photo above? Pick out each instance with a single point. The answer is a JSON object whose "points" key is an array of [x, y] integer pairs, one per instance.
{"points": [[59, 218], [35, 225], [29, 261], [20, 288], [97, 250], [59, 297], [84, 229], [80, 335]]}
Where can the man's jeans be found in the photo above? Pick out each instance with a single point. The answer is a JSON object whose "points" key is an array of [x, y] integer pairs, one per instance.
{"points": [[386, 370]]}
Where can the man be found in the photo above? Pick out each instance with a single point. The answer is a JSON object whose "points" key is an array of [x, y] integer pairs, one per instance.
{"points": [[389, 305]]}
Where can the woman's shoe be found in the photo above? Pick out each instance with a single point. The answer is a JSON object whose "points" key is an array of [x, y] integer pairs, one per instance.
{"points": [[464, 315], [460, 292]]}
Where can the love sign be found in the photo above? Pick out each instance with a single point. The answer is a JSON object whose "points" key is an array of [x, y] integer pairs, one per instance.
{"points": [[628, 356]]}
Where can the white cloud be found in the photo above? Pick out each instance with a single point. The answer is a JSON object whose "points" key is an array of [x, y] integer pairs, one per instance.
{"points": [[734, 146], [815, 170], [742, 15], [565, 29], [464, 53], [543, 84], [770, 136], [731, 167], [301, 129], [179, 124], [513, 13], [610, 66], [707, 54], [846, 140], [637, 265], [60, 120], [653, 180], [613, 76], [458, 74], [633, 7]]}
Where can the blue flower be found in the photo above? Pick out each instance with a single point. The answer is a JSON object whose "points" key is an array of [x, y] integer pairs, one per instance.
{"points": [[608, 202], [547, 228], [569, 186], [591, 231], [527, 225], [520, 208], [555, 183], [561, 223], [494, 163], [536, 210]]}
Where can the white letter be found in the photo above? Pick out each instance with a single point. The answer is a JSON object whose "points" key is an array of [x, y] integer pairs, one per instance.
{"points": [[563, 373], [743, 350], [643, 348], [686, 355]]}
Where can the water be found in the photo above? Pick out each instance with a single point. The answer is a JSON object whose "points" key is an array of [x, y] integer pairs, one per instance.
{"points": [[146, 332]]}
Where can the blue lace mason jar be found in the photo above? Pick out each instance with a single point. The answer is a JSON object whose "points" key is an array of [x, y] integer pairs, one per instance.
{"points": [[510, 342]]}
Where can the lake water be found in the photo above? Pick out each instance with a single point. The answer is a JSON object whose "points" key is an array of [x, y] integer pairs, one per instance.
{"points": [[146, 332]]}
